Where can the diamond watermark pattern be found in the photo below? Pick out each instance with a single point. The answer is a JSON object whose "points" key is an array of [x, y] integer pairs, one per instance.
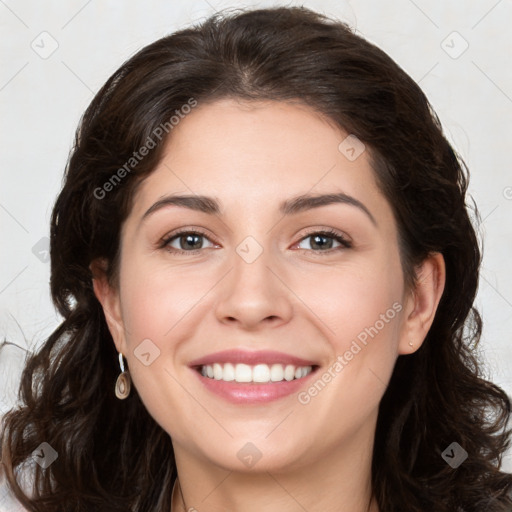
{"points": [[454, 45], [44, 455], [249, 249], [351, 147], [249, 454], [454, 455], [146, 352], [45, 45], [41, 250]]}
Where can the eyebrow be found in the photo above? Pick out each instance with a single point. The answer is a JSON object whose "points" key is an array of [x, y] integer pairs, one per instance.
{"points": [[291, 206]]}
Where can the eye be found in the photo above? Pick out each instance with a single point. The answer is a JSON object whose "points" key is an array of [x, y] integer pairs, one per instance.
{"points": [[185, 241], [324, 241], [193, 241]]}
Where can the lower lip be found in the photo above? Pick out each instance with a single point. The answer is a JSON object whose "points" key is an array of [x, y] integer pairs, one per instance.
{"points": [[250, 393]]}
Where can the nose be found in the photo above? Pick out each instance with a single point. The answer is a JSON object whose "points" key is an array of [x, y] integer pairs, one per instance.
{"points": [[253, 295]]}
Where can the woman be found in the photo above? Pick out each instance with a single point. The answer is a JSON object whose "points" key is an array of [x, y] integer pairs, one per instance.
{"points": [[266, 270]]}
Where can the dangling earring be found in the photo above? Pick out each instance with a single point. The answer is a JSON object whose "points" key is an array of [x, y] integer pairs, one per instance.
{"points": [[123, 382]]}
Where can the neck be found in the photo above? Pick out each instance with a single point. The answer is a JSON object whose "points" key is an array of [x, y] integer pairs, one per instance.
{"points": [[180, 504], [339, 480]]}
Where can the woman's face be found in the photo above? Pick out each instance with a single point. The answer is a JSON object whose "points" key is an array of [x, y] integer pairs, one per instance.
{"points": [[283, 252]]}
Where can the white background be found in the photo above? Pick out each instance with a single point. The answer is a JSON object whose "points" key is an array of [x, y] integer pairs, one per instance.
{"points": [[42, 99]]}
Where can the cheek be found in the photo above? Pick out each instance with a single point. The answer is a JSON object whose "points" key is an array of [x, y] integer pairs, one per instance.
{"points": [[158, 310], [360, 313], [161, 308], [355, 301], [154, 301], [358, 309]]}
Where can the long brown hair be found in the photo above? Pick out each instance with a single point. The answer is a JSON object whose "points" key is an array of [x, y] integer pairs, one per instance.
{"points": [[112, 455]]}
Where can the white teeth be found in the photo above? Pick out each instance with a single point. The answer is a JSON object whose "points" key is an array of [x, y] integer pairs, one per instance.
{"points": [[217, 371], [228, 372], [277, 373], [260, 373], [243, 373], [289, 372]]}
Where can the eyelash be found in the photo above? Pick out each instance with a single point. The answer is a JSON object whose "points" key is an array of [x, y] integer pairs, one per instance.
{"points": [[328, 233]]}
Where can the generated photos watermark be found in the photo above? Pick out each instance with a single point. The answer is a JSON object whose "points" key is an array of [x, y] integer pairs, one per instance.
{"points": [[151, 142], [361, 341]]}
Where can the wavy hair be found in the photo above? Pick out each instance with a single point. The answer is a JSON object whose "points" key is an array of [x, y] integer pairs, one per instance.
{"points": [[112, 455]]}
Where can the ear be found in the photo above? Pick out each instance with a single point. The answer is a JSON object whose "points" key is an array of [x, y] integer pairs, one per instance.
{"points": [[422, 303], [108, 296]]}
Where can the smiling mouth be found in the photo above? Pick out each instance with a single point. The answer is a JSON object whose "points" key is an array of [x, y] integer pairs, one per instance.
{"points": [[254, 374]]}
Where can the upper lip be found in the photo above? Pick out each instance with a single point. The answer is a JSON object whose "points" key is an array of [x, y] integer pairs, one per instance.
{"points": [[251, 358]]}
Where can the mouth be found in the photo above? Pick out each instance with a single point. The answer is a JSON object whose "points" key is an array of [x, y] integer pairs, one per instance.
{"points": [[244, 377], [255, 374]]}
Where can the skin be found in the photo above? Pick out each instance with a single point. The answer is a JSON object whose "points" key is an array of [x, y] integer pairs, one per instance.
{"points": [[311, 303]]}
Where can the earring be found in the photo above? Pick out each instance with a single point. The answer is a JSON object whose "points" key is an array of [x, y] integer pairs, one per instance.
{"points": [[411, 344], [123, 382]]}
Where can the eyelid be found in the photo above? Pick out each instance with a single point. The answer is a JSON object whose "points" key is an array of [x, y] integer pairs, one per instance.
{"points": [[344, 241], [166, 239]]}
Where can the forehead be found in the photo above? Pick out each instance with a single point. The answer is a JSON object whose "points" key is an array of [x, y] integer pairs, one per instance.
{"points": [[256, 151]]}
